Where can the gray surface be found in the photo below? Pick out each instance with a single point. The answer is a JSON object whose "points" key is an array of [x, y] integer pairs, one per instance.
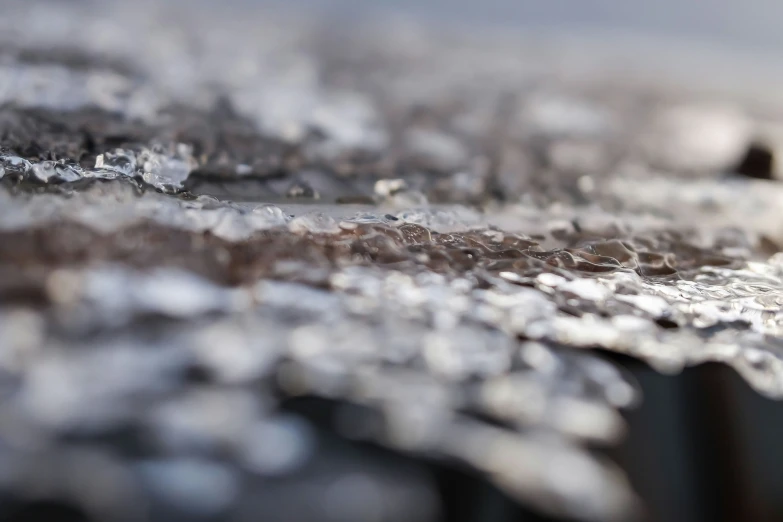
{"points": [[741, 23]]}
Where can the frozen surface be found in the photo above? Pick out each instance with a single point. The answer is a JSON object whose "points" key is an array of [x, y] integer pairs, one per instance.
{"points": [[433, 233]]}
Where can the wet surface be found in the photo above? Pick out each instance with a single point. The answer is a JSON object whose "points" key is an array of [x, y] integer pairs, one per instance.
{"points": [[233, 271]]}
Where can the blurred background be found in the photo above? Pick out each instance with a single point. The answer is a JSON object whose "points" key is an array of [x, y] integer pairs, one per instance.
{"points": [[752, 23]]}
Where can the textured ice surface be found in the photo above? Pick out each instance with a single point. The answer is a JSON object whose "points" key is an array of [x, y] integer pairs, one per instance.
{"points": [[160, 169], [486, 219], [421, 324]]}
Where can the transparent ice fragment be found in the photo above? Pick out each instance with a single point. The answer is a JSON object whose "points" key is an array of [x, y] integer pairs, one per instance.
{"points": [[316, 223], [13, 165], [166, 169], [454, 219], [266, 216], [122, 162], [56, 171]]}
